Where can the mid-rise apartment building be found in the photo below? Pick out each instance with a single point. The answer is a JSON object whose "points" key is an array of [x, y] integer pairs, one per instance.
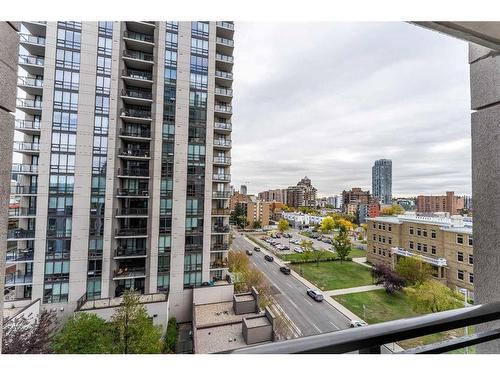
{"points": [[355, 195], [443, 242], [258, 211], [382, 181], [440, 203], [126, 154]]}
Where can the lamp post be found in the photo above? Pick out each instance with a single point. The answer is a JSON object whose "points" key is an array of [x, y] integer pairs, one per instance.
{"points": [[465, 292]]}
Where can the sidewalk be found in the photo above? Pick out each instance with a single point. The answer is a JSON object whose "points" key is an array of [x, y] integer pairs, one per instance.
{"points": [[357, 289], [361, 261]]}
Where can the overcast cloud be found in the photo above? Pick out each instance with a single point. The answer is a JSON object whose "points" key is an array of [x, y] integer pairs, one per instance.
{"points": [[327, 99]]}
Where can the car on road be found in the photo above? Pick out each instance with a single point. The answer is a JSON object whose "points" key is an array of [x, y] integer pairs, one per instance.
{"points": [[285, 270], [249, 252], [298, 249], [315, 295], [357, 323], [269, 258], [257, 249]]}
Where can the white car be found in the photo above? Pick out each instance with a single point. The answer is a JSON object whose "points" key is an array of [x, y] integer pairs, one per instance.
{"points": [[280, 247], [357, 323], [298, 249]]}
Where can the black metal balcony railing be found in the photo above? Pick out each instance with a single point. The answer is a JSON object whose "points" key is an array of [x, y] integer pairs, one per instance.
{"points": [[222, 142], [130, 251], [32, 39], [133, 112], [30, 81], [134, 172], [134, 152], [132, 193], [26, 146], [131, 232], [31, 60], [19, 255], [221, 177], [371, 338], [225, 41], [22, 211], [137, 74], [137, 132], [136, 93], [137, 55], [131, 211], [225, 24], [25, 189], [225, 58], [222, 74], [220, 229], [29, 125], [24, 168], [220, 211], [221, 194], [29, 103], [20, 233], [138, 36], [223, 126]]}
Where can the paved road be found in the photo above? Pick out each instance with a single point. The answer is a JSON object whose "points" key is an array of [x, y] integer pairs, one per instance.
{"points": [[309, 316]]}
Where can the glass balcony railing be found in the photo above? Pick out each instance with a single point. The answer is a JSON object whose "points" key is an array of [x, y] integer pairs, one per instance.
{"points": [[26, 146], [224, 58], [220, 229], [222, 74], [132, 112], [223, 91], [29, 103], [140, 94], [127, 272], [221, 177], [27, 125], [19, 255], [133, 172], [18, 279], [131, 232], [136, 153], [222, 142], [24, 168], [30, 81], [139, 36], [131, 211], [132, 193], [20, 233], [222, 160], [225, 41], [31, 60], [223, 126], [32, 39], [137, 55], [25, 189], [130, 251], [22, 211], [223, 108], [219, 246], [221, 194], [225, 24], [220, 211], [136, 132], [137, 74]]}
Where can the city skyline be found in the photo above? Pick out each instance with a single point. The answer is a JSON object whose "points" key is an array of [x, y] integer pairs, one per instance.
{"points": [[286, 131]]}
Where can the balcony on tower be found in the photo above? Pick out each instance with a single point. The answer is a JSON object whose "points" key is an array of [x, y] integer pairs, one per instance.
{"points": [[31, 85]]}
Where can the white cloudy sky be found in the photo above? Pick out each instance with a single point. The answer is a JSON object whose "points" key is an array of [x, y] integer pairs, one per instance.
{"points": [[327, 99]]}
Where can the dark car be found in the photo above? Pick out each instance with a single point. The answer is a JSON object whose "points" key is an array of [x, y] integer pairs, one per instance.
{"points": [[249, 252], [285, 270], [256, 249], [269, 258]]}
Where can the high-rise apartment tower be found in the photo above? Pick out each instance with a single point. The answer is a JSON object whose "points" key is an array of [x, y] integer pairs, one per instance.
{"points": [[125, 157], [382, 181]]}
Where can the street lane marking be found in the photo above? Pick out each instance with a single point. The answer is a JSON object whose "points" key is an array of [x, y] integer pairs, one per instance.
{"points": [[315, 326], [309, 302], [333, 324]]}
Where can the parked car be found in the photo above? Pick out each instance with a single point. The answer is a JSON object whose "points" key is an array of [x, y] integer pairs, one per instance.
{"points": [[285, 270], [298, 249], [249, 252], [269, 258], [315, 295], [278, 235], [279, 247], [256, 249], [357, 323], [285, 247]]}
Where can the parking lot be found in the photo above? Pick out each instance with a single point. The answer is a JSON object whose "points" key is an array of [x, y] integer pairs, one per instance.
{"points": [[299, 238]]}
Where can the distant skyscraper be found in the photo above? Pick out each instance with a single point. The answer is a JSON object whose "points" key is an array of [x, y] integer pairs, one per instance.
{"points": [[243, 189], [382, 181]]}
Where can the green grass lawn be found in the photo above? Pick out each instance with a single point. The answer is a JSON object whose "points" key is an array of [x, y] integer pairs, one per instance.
{"points": [[382, 307], [357, 253], [334, 274]]}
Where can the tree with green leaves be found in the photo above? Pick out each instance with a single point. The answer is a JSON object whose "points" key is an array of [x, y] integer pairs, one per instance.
{"points": [[413, 270], [342, 244], [327, 224], [171, 336], [257, 224], [134, 332], [395, 209], [84, 333], [433, 296], [239, 216], [283, 225]]}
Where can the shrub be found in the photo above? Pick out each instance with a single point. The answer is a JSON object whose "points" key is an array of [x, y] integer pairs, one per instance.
{"points": [[171, 336]]}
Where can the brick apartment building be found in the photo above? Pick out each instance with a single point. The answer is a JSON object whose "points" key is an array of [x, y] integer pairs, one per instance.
{"points": [[440, 203]]}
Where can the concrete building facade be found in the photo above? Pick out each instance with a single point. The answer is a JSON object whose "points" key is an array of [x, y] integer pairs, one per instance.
{"points": [[444, 243], [9, 40], [133, 189], [382, 181]]}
